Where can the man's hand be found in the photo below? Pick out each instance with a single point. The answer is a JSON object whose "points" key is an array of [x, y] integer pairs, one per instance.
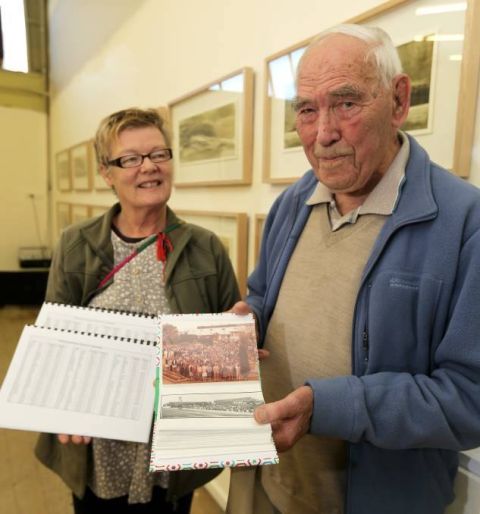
{"points": [[75, 439], [290, 417], [242, 309]]}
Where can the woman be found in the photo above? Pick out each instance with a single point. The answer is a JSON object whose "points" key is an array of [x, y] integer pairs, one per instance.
{"points": [[138, 257]]}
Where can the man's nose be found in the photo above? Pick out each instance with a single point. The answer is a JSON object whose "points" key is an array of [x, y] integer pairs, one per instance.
{"points": [[328, 131]]}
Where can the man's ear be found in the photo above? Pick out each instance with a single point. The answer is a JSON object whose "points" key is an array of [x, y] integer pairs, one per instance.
{"points": [[401, 88]]}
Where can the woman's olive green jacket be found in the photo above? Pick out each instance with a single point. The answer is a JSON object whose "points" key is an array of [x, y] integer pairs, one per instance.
{"points": [[199, 279]]}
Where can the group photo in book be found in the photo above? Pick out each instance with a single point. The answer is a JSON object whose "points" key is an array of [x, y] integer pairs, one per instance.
{"points": [[208, 354]]}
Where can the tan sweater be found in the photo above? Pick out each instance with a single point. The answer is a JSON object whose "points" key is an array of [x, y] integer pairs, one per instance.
{"points": [[310, 335]]}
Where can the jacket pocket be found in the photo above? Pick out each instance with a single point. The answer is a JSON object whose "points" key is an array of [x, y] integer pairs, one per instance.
{"points": [[401, 317]]}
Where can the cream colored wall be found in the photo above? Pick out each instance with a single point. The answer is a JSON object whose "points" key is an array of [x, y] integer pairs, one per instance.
{"points": [[23, 165], [163, 50], [107, 55]]}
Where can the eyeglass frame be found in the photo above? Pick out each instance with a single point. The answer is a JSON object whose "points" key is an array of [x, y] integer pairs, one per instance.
{"points": [[117, 162]]}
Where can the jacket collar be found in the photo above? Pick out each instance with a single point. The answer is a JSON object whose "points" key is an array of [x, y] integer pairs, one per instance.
{"points": [[97, 234], [416, 200]]}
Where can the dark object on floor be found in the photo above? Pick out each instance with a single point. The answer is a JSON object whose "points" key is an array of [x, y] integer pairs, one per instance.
{"points": [[23, 287]]}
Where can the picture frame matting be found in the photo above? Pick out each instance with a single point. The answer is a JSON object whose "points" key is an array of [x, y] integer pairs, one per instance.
{"points": [[212, 132], [232, 230]]}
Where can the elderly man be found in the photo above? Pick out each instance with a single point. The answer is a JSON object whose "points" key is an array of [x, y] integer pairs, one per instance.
{"points": [[367, 295]]}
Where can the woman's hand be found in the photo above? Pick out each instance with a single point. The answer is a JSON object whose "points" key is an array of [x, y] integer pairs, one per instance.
{"points": [[75, 439]]}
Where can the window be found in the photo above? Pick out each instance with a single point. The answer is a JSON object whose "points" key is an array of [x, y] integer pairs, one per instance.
{"points": [[23, 65], [14, 35]]}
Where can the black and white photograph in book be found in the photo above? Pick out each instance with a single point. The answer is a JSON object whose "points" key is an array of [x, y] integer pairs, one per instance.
{"points": [[208, 353], [217, 405]]}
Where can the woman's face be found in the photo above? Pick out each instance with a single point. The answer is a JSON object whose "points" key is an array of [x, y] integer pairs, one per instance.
{"points": [[146, 185]]}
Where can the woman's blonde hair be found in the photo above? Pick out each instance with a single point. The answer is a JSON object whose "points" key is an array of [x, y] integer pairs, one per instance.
{"points": [[111, 127]]}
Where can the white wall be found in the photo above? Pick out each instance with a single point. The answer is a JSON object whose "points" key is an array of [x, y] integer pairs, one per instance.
{"points": [[23, 165]]}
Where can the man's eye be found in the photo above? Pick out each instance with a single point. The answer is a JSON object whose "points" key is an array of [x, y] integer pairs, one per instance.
{"points": [[306, 113], [347, 109], [345, 105]]}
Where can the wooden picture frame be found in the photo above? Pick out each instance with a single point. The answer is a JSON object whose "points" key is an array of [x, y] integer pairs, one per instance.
{"points": [[63, 171], [258, 224], [232, 229], [81, 167], [80, 213], [212, 132], [64, 216], [452, 90]]}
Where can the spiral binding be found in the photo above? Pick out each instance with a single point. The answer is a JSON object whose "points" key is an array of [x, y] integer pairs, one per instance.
{"points": [[103, 309], [92, 334]]}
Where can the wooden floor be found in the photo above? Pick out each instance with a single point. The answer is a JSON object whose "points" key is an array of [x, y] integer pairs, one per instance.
{"points": [[26, 487]]}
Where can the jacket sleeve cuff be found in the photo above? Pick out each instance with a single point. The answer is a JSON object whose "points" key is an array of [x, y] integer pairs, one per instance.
{"points": [[333, 408]]}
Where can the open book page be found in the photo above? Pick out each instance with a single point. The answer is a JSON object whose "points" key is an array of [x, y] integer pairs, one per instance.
{"points": [[208, 387], [98, 321], [72, 383]]}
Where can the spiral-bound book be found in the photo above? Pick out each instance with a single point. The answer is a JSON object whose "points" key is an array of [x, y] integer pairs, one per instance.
{"points": [[83, 371], [208, 386]]}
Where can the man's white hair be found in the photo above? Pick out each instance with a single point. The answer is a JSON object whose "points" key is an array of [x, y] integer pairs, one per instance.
{"points": [[382, 51]]}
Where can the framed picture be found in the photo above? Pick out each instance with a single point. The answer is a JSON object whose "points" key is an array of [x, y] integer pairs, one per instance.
{"points": [[232, 230], [259, 222], [80, 163], [64, 216], [80, 213], [63, 175], [439, 49], [418, 59], [212, 133], [98, 183]]}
